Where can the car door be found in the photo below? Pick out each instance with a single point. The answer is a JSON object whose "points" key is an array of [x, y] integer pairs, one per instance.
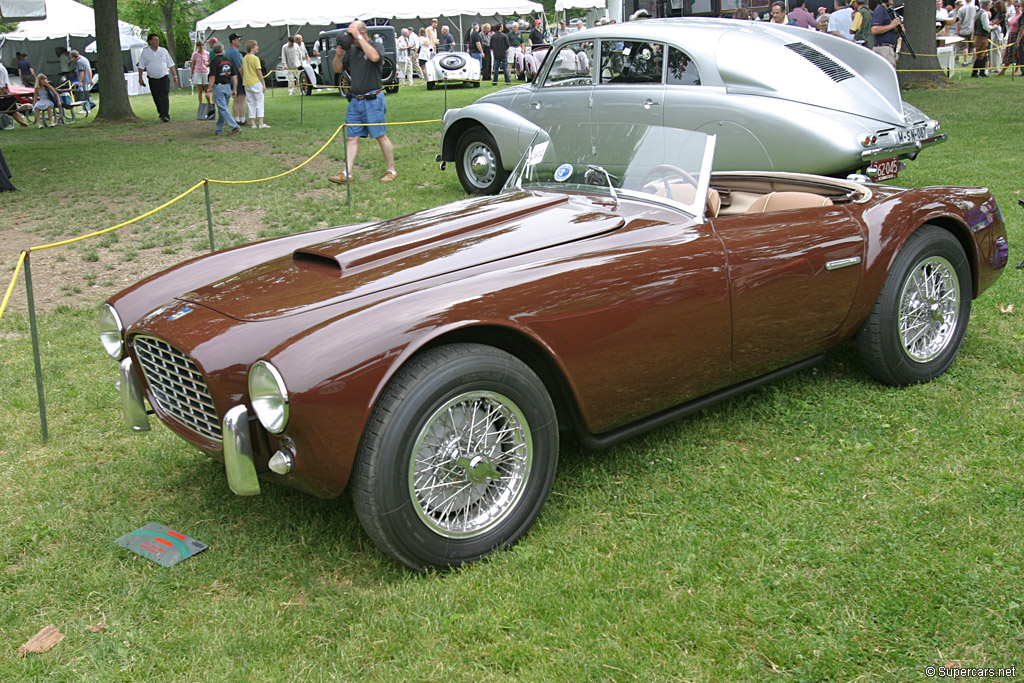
{"points": [[792, 277], [564, 89], [630, 83], [694, 104]]}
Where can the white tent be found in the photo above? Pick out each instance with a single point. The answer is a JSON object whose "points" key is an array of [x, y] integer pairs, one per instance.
{"points": [[270, 22], [561, 5], [68, 24]]}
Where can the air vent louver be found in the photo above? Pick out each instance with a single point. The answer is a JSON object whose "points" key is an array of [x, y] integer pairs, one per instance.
{"points": [[837, 72]]}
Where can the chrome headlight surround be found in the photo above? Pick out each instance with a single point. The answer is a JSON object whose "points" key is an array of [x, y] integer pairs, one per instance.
{"points": [[111, 332], [269, 396]]}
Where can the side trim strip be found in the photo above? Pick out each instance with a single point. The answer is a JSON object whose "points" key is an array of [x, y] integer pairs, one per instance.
{"points": [[842, 263]]}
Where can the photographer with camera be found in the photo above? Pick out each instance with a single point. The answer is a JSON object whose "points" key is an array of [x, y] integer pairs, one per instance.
{"points": [[886, 30], [366, 108]]}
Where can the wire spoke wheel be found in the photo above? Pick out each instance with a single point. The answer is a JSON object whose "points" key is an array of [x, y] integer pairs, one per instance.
{"points": [[470, 464], [457, 457], [929, 308], [917, 324]]}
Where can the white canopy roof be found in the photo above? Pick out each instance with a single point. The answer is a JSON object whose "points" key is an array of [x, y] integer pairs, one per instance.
{"points": [[63, 18], [578, 4], [22, 10], [259, 13]]}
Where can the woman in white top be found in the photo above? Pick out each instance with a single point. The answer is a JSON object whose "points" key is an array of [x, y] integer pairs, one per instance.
{"points": [[424, 55]]}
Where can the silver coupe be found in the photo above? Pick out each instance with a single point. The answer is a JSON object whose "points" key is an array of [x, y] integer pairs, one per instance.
{"points": [[778, 98]]}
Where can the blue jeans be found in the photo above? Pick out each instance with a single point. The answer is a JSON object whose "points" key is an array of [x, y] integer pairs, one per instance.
{"points": [[500, 63], [222, 96]]}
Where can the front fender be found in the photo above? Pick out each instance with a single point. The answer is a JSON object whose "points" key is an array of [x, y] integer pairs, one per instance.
{"points": [[510, 131]]}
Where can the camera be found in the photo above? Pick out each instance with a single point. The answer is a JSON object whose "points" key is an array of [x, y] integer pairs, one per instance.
{"points": [[345, 40]]}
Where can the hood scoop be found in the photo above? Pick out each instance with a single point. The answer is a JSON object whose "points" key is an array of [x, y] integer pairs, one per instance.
{"points": [[404, 251], [408, 236]]}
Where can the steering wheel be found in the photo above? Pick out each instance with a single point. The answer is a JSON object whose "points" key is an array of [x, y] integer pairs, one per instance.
{"points": [[666, 170]]}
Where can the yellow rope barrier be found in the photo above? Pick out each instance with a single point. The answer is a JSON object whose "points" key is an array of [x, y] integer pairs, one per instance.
{"points": [[24, 254], [119, 225], [291, 170], [10, 287]]}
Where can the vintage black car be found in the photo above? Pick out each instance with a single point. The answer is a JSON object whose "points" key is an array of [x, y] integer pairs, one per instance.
{"points": [[383, 38]]}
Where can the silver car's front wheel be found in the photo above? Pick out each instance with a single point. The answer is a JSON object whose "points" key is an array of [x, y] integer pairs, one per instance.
{"points": [[478, 162], [918, 322], [457, 457]]}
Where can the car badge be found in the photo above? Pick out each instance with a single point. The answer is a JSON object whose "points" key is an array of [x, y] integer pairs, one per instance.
{"points": [[563, 172], [180, 314]]}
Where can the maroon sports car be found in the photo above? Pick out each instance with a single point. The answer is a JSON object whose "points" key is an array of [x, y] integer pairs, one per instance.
{"points": [[429, 362]]}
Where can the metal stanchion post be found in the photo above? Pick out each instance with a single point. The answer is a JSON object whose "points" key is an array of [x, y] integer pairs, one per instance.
{"points": [[348, 185], [35, 347], [302, 96], [209, 213]]}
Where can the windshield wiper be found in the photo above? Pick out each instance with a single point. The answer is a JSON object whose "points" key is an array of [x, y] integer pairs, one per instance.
{"points": [[594, 169]]}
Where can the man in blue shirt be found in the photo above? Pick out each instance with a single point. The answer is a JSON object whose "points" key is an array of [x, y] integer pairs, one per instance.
{"points": [[883, 28], [235, 57]]}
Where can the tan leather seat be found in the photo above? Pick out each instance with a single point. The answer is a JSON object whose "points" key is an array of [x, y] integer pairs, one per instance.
{"points": [[682, 192], [786, 201]]}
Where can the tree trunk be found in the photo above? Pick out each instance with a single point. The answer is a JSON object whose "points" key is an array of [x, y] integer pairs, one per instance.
{"points": [[167, 7], [113, 90], [919, 24]]}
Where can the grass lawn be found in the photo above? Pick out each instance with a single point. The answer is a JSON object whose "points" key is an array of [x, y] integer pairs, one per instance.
{"points": [[823, 528]]}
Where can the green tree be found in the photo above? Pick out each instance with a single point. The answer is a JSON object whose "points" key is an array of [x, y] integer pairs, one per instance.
{"points": [[116, 106], [919, 24]]}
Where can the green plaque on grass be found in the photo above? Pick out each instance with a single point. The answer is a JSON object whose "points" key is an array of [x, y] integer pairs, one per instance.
{"points": [[163, 545]]}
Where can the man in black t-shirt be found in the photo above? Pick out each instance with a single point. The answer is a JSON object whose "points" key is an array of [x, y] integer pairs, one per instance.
{"points": [[366, 109], [500, 46], [224, 83]]}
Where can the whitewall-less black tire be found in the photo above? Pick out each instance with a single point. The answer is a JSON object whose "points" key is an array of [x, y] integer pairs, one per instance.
{"points": [[917, 324], [457, 458], [478, 162]]}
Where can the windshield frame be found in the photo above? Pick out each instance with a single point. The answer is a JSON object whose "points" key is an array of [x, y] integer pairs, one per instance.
{"points": [[532, 156]]}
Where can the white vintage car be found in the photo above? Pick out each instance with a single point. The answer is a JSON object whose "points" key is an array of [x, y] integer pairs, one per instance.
{"points": [[779, 98], [450, 69]]}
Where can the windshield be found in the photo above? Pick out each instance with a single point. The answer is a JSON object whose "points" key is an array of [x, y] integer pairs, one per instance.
{"points": [[635, 160]]}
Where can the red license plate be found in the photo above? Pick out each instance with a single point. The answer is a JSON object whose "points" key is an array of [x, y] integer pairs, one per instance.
{"points": [[887, 169]]}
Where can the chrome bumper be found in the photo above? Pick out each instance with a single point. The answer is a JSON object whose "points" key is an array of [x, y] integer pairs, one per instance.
{"points": [[907, 148], [238, 463], [133, 404]]}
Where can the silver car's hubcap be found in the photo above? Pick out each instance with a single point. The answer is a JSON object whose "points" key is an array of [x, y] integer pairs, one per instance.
{"points": [[479, 161], [470, 464], [929, 308]]}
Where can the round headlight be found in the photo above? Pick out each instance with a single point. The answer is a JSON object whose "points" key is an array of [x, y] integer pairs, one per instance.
{"points": [[111, 332], [269, 396]]}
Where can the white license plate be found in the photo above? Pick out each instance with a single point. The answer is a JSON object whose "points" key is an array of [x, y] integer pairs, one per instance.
{"points": [[887, 169], [912, 134]]}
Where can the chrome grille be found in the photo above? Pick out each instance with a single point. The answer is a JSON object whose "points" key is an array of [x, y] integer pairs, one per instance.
{"points": [[176, 384]]}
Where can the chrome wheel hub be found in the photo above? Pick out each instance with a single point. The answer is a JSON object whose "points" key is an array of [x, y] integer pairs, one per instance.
{"points": [[480, 164], [929, 308], [470, 464]]}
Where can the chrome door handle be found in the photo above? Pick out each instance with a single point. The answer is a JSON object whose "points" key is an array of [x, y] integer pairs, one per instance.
{"points": [[650, 103], [535, 105]]}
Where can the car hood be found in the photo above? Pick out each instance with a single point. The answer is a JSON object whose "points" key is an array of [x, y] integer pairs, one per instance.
{"points": [[402, 251]]}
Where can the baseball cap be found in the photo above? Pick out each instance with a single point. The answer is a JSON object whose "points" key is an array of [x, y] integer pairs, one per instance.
{"points": [[536, 21], [233, 36]]}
